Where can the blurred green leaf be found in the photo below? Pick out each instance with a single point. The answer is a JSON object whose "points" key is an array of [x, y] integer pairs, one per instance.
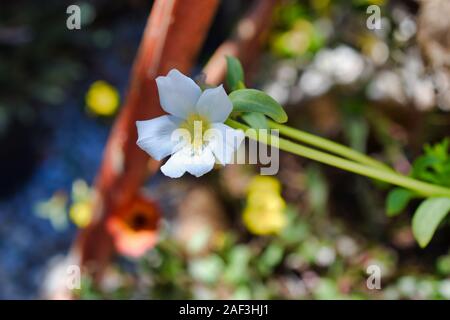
{"points": [[252, 100], [289, 13], [199, 241], [242, 293], [327, 289], [397, 200], [235, 74], [237, 269], [427, 218], [270, 258], [296, 230], [357, 131], [317, 189], [207, 269], [443, 265], [255, 120]]}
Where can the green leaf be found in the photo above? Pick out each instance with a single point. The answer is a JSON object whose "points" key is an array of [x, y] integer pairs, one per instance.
{"points": [[270, 258], [238, 267], [235, 74], [427, 218], [434, 165], [255, 120], [397, 200], [252, 100]]}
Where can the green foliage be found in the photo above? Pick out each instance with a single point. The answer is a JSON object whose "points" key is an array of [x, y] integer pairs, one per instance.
{"points": [[327, 290], [443, 265], [207, 269], [235, 74], [239, 259], [397, 200], [357, 130], [318, 190], [255, 120], [427, 218], [235, 81], [296, 32], [289, 13], [270, 258], [252, 100], [434, 165], [326, 258]]}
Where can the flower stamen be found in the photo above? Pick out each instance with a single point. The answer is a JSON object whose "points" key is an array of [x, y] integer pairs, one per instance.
{"points": [[196, 125]]}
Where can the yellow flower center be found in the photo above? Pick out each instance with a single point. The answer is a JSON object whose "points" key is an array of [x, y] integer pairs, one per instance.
{"points": [[196, 125]]}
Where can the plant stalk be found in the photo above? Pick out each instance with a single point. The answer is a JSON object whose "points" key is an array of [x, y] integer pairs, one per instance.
{"points": [[422, 188], [328, 145]]}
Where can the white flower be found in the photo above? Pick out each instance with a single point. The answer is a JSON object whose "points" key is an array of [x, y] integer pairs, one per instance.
{"points": [[193, 132]]}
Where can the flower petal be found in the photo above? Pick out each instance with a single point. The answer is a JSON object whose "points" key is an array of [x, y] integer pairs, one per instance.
{"points": [[154, 136], [178, 94], [214, 104], [201, 163], [175, 167], [224, 141], [186, 160]]}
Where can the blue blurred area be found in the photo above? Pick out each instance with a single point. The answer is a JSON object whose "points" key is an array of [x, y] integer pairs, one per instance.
{"points": [[71, 150], [27, 241]]}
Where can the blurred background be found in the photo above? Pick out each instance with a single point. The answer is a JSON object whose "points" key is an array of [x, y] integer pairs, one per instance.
{"points": [[310, 232]]}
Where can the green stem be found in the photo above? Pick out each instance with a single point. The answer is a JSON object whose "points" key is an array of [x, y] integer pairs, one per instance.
{"points": [[423, 188], [328, 145]]}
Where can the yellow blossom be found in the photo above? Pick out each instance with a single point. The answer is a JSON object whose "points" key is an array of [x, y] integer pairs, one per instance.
{"points": [[264, 213], [102, 98], [264, 184], [81, 213]]}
